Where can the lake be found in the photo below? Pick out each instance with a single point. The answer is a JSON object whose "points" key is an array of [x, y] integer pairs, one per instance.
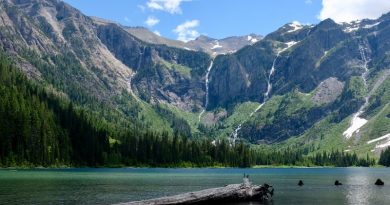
{"points": [[107, 186]]}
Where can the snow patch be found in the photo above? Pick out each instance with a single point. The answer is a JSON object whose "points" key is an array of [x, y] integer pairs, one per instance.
{"points": [[351, 29], [384, 145], [291, 43], [379, 139], [356, 124], [295, 25], [252, 39], [216, 45], [371, 25]]}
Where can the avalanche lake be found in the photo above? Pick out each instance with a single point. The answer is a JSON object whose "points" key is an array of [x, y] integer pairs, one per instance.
{"points": [[108, 186]]}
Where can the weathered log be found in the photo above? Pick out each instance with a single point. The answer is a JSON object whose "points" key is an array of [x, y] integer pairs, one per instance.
{"points": [[229, 193]]}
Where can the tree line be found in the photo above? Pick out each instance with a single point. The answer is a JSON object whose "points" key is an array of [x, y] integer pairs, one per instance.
{"points": [[39, 127], [385, 158]]}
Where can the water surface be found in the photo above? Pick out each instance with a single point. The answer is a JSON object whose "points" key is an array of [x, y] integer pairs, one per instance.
{"points": [[107, 186]]}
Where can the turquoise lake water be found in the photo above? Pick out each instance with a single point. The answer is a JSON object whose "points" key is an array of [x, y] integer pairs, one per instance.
{"points": [[108, 186]]}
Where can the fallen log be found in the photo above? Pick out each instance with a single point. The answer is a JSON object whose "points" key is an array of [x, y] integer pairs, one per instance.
{"points": [[229, 193]]}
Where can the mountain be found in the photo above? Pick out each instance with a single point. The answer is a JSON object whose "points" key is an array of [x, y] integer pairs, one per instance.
{"points": [[317, 76], [222, 46], [202, 43], [306, 87]]}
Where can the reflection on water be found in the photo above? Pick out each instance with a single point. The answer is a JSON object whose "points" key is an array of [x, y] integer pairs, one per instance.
{"points": [[108, 186], [360, 187]]}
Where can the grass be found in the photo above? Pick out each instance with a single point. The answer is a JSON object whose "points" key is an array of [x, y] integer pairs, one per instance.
{"points": [[184, 70], [239, 114], [191, 118], [323, 136]]}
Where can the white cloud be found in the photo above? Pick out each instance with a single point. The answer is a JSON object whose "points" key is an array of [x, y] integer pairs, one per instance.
{"points": [[186, 31], [152, 21], [308, 1], [157, 33], [171, 6], [126, 19], [350, 10]]}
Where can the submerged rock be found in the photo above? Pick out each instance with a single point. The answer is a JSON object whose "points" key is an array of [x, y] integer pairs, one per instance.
{"points": [[337, 183], [379, 182], [300, 183]]}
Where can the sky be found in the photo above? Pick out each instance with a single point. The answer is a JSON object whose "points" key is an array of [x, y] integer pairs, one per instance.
{"points": [[187, 19]]}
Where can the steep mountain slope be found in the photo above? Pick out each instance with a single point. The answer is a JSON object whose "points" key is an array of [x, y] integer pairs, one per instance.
{"points": [[56, 44], [202, 43], [222, 46], [314, 86], [320, 76]]}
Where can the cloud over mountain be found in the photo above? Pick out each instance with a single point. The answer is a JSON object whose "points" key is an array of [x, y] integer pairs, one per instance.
{"points": [[350, 10]]}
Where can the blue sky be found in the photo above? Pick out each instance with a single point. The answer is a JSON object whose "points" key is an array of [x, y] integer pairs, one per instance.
{"points": [[186, 19]]}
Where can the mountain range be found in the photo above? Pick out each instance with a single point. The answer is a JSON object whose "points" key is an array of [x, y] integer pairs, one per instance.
{"points": [[318, 87]]}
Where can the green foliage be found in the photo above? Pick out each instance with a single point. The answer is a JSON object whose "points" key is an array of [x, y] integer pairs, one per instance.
{"points": [[355, 89], [41, 129], [282, 117], [385, 158], [298, 157], [184, 70], [179, 125]]}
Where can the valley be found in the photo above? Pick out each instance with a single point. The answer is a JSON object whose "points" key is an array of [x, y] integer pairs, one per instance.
{"points": [[302, 89]]}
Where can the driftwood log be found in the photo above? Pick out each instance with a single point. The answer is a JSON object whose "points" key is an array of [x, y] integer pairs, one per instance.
{"points": [[229, 193]]}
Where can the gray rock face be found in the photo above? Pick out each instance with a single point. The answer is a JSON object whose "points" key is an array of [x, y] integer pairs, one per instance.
{"points": [[80, 56], [328, 91], [107, 55], [46, 37], [164, 74], [222, 46], [202, 43]]}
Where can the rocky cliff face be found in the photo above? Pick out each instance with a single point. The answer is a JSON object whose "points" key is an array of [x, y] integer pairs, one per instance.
{"points": [[55, 42], [303, 75], [106, 55], [203, 43], [312, 56]]}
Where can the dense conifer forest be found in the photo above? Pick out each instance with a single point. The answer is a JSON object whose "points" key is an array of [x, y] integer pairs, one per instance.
{"points": [[385, 158], [40, 127]]}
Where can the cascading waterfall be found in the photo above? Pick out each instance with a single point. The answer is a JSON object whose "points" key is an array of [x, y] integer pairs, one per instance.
{"points": [[234, 135], [357, 122], [129, 86], [135, 73], [207, 89]]}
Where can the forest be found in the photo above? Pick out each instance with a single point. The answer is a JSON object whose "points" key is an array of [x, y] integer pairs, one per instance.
{"points": [[40, 126], [385, 158]]}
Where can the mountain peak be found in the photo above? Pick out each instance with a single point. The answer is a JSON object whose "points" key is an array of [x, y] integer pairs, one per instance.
{"points": [[327, 23], [203, 38]]}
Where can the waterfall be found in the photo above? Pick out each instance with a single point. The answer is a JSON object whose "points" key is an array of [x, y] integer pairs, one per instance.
{"points": [[207, 89], [234, 135], [357, 122], [135, 73], [130, 87]]}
